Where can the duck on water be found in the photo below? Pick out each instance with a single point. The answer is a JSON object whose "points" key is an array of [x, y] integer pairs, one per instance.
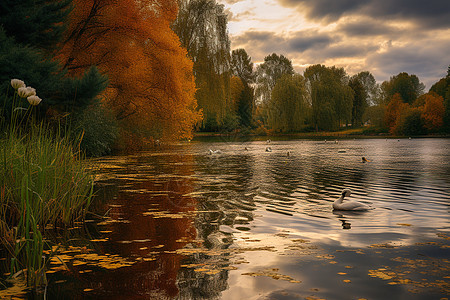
{"points": [[339, 204]]}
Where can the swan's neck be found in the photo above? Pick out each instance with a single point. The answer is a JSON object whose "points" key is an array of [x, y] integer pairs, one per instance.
{"points": [[341, 199]]}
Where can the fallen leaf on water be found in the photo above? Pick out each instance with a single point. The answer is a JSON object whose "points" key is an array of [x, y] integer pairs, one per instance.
{"points": [[347, 280], [342, 273], [385, 245], [404, 224], [99, 240], [88, 290]]}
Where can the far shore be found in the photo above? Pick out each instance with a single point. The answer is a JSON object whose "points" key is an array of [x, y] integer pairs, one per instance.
{"points": [[343, 134]]}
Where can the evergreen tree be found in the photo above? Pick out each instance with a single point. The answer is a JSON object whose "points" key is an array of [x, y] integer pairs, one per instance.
{"points": [[38, 23]]}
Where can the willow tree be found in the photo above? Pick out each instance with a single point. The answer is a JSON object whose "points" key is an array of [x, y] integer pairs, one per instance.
{"points": [[329, 95], [288, 108], [201, 26], [267, 74]]}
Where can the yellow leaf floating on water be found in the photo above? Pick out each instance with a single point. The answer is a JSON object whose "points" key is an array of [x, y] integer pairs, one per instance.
{"points": [[99, 240], [404, 224], [272, 273], [342, 273], [88, 290], [347, 280], [386, 245]]}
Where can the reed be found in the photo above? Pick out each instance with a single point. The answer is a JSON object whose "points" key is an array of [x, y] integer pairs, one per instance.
{"points": [[44, 182]]}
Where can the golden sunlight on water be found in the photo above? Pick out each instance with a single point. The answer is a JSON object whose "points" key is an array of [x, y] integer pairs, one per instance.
{"points": [[249, 224]]}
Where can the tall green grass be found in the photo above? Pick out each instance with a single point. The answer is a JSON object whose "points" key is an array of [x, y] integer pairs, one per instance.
{"points": [[44, 182]]}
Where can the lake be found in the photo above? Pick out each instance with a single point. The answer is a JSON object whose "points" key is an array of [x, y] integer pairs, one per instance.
{"points": [[180, 223]]}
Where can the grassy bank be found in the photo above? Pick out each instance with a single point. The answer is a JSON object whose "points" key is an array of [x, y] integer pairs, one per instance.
{"points": [[43, 183]]}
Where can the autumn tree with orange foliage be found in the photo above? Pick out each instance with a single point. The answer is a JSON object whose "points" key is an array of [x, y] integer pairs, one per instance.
{"points": [[433, 111], [393, 112], [151, 90]]}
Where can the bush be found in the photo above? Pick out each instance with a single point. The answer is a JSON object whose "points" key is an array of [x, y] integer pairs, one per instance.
{"points": [[98, 130], [411, 123]]}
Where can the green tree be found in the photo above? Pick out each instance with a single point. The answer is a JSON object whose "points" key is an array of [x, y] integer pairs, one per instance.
{"points": [[408, 86], [242, 66], [267, 74], [410, 122], [201, 26], [288, 107], [360, 104], [371, 88], [330, 96]]}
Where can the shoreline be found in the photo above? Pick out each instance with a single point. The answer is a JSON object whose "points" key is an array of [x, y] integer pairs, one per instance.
{"points": [[357, 134]]}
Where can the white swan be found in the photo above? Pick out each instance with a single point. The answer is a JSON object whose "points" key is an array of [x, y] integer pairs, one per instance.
{"points": [[339, 204], [211, 152], [268, 149]]}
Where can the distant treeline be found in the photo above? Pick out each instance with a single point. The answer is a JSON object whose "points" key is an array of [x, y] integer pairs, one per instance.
{"points": [[234, 95]]}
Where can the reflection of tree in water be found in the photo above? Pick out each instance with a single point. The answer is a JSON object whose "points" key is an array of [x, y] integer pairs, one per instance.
{"points": [[227, 202]]}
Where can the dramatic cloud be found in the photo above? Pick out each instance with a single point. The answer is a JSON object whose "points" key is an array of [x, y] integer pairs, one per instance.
{"points": [[385, 37], [431, 13], [305, 40]]}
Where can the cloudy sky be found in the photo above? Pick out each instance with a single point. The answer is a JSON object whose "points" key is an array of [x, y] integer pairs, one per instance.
{"points": [[385, 37]]}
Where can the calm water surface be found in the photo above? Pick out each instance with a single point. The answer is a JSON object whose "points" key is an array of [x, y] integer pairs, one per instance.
{"points": [[182, 224]]}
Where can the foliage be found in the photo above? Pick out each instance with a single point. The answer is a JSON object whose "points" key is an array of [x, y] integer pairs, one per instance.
{"points": [[151, 81], [442, 88], [375, 116], [242, 66], [43, 182], [267, 74], [38, 23], [288, 109], [58, 90], [360, 104], [245, 107], [371, 88], [433, 112], [241, 101], [97, 128], [408, 86], [202, 29], [410, 122], [393, 110], [330, 96]]}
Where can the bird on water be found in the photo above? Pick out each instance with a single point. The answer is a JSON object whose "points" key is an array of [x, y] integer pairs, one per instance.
{"points": [[339, 204]]}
